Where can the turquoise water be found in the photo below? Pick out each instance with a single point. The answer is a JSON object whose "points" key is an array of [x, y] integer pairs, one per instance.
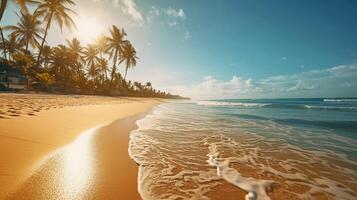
{"points": [[269, 148]]}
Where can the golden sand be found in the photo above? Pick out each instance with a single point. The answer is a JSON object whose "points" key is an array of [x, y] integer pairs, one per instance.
{"points": [[44, 153]]}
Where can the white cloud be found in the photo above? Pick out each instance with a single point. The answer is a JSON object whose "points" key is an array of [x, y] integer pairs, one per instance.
{"points": [[329, 82], [129, 8], [213, 88], [177, 13], [172, 16]]}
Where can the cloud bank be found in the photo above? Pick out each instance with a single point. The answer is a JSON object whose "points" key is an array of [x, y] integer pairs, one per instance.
{"points": [[337, 81]]}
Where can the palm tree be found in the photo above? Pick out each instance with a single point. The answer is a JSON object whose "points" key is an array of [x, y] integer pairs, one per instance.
{"points": [[128, 57], [27, 31], [57, 10], [3, 4], [103, 66], [10, 46], [61, 64], [115, 46], [90, 55], [76, 49], [46, 55], [101, 45], [21, 3]]}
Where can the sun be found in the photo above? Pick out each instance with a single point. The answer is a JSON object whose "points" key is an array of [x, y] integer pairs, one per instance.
{"points": [[88, 28]]}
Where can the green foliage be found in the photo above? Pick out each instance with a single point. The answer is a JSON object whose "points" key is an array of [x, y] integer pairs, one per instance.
{"points": [[71, 67]]}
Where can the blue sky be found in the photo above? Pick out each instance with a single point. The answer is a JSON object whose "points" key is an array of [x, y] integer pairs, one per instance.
{"points": [[232, 49]]}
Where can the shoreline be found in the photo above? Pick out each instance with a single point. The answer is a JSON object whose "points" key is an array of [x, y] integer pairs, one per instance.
{"points": [[27, 140]]}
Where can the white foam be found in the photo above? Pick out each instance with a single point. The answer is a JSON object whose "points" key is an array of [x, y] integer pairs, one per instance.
{"points": [[224, 103], [340, 100], [256, 188]]}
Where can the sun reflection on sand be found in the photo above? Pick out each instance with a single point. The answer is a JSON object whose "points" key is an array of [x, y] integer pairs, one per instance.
{"points": [[78, 164], [66, 173]]}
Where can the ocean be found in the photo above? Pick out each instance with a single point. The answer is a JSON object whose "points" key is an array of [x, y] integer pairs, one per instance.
{"points": [[268, 148]]}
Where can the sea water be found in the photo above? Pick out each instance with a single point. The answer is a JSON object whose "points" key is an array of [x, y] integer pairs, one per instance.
{"points": [[265, 148]]}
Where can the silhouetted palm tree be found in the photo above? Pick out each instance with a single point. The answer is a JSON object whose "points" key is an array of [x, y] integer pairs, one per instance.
{"points": [[27, 31], [46, 55], [57, 10], [76, 49], [101, 45], [61, 65], [10, 46], [103, 66], [115, 46], [128, 57], [90, 55]]}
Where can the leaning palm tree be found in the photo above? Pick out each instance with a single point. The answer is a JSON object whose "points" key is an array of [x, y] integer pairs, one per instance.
{"points": [[128, 57], [57, 10], [27, 31], [115, 46]]}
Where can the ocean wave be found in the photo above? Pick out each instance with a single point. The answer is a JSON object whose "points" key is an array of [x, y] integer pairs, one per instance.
{"points": [[185, 152], [275, 105], [340, 125], [340, 100], [225, 103]]}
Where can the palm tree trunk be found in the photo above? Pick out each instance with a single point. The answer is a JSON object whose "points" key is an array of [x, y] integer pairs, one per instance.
{"points": [[3, 42], [44, 39], [2, 8], [114, 66]]}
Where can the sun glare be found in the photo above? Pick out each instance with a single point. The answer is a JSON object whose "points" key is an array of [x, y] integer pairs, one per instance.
{"points": [[88, 28]]}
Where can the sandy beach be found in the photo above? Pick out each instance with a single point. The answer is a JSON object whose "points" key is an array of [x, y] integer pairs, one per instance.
{"points": [[68, 147]]}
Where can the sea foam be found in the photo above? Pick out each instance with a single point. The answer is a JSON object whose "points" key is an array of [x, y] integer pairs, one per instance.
{"points": [[187, 151]]}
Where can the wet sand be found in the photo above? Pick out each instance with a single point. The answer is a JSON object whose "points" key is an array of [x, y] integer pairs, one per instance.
{"points": [[57, 154]]}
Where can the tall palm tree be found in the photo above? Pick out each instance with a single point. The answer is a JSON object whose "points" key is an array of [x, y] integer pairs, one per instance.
{"points": [[10, 46], [3, 5], [27, 31], [90, 55], [115, 46], [57, 10], [101, 45], [128, 57], [76, 52]]}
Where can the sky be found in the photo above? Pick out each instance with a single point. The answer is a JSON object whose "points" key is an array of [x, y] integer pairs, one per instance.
{"points": [[209, 49]]}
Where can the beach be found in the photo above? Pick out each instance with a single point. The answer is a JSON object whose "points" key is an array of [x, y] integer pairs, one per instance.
{"points": [[53, 146]]}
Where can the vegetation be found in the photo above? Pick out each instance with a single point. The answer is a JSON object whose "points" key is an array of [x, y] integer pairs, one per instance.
{"points": [[70, 67]]}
